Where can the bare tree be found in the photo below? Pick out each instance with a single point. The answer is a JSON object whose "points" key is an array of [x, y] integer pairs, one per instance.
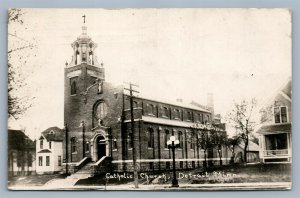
{"points": [[18, 53], [241, 118]]}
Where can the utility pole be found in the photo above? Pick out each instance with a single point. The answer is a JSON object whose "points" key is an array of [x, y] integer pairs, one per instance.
{"points": [[67, 160], [83, 138], [131, 96]]}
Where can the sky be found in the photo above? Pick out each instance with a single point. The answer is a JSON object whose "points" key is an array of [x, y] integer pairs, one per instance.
{"points": [[170, 53]]}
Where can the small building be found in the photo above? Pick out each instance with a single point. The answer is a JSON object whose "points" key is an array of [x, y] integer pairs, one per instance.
{"points": [[275, 134], [49, 151], [21, 151], [252, 153]]}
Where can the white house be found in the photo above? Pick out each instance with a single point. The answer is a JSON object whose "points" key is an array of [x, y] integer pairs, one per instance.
{"points": [[276, 133], [49, 151]]}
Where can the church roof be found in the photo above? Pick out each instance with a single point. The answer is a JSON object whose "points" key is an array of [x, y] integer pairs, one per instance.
{"points": [[53, 134], [174, 103]]}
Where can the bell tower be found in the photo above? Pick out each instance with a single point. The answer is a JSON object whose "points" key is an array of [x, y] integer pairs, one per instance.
{"points": [[81, 74]]}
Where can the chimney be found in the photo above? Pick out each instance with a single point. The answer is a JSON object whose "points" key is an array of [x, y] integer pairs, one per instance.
{"points": [[210, 105], [179, 100]]}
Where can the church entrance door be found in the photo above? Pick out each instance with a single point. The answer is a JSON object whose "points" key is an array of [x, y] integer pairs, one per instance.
{"points": [[101, 147]]}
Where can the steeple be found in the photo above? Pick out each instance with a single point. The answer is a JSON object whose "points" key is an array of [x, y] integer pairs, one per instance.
{"points": [[84, 49]]}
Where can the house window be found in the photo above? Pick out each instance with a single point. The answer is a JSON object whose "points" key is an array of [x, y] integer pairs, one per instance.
{"points": [[59, 160], [180, 139], [40, 161], [41, 144], [165, 112], [283, 114], [73, 88], [280, 114], [150, 138], [193, 164], [73, 145], [167, 137], [47, 160], [130, 142], [50, 145]]}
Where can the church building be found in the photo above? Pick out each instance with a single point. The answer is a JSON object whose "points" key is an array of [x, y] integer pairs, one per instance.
{"points": [[98, 132]]}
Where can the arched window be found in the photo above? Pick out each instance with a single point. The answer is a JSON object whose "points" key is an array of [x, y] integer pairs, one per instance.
{"points": [[189, 115], [73, 145], [180, 138], [151, 109], [150, 138], [100, 110], [73, 88], [177, 113], [135, 104], [166, 112], [167, 137]]}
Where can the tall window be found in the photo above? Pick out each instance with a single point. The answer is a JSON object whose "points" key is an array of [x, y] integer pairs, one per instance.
{"points": [[130, 142], [192, 143], [73, 145], [47, 160], [177, 113], [50, 145], [135, 104], [201, 118], [280, 114], [151, 109], [167, 137], [180, 139], [151, 138], [165, 112], [100, 110], [59, 160], [41, 144], [283, 114], [40, 160], [207, 118], [87, 147], [73, 88], [189, 115], [115, 144]]}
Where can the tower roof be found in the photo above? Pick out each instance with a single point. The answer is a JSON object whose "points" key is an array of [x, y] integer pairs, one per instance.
{"points": [[84, 50]]}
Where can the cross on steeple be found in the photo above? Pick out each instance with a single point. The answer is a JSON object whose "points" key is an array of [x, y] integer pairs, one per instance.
{"points": [[83, 18]]}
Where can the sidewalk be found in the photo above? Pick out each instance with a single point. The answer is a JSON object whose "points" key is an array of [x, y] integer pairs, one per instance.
{"points": [[182, 187]]}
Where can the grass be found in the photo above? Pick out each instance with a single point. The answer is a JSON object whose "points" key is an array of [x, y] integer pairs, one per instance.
{"points": [[32, 180]]}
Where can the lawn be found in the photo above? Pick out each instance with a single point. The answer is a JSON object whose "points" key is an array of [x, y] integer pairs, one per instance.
{"points": [[32, 180]]}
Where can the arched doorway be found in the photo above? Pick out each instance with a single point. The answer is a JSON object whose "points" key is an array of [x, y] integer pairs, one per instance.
{"points": [[101, 147]]}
